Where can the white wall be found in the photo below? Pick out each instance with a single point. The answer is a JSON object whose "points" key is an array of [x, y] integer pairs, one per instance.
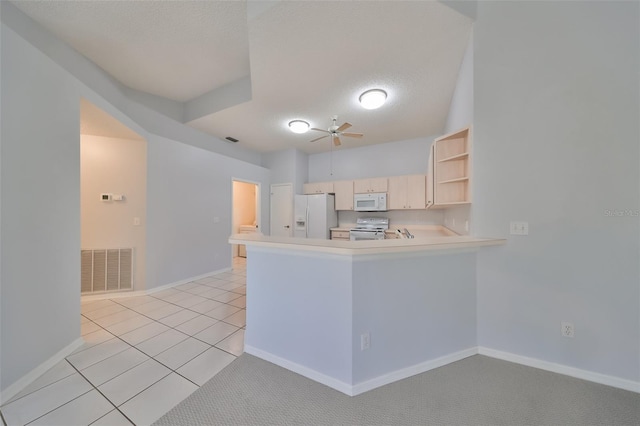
{"points": [[287, 166], [556, 144], [40, 299], [187, 188], [387, 159], [118, 166], [461, 108], [460, 116], [417, 307]]}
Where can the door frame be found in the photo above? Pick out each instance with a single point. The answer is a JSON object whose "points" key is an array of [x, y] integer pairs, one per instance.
{"points": [[258, 206]]}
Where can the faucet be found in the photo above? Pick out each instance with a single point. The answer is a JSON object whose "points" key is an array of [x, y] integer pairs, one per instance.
{"points": [[408, 234]]}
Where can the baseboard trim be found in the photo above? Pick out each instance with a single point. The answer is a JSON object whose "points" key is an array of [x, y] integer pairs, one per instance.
{"points": [[300, 369], [590, 376], [403, 373], [353, 390], [117, 295], [32, 375]]}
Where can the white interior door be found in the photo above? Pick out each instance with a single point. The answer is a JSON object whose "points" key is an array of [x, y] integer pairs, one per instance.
{"points": [[281, 202]]}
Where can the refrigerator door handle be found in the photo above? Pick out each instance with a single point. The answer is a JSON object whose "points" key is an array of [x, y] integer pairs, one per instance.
{"points": [[306, 228]]}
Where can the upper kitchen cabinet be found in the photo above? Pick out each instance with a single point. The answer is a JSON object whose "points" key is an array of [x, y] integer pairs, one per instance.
{"points": [[317, 188], [407, 192], [429, 183], [452, 169], [363, 186], [344, 194]]}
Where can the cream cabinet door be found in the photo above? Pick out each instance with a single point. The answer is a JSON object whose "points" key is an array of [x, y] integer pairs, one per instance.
{"points": [[407, 192], [361, 186], [429, 180], [378, 184], [317, 188], [397, 197], [416, 191], [344, 194], [364, 186]]}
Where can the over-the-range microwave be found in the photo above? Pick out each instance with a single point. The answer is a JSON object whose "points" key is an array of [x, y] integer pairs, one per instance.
{"points": [[372, 202]]}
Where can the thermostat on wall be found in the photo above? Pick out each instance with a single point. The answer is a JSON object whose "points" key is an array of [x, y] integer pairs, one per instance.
{"points": [[105, 197]]}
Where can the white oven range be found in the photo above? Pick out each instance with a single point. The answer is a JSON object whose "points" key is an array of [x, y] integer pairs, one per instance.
{"points": [[369, 228]]}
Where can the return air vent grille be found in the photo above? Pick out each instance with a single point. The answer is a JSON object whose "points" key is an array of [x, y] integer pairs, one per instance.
{"points": [[106, 270]]}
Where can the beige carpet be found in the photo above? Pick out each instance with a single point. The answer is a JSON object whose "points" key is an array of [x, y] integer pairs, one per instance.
{"points": [[475, 391]]}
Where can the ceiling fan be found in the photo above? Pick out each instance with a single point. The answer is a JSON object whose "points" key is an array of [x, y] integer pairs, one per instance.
{"points": [[336, 131]]}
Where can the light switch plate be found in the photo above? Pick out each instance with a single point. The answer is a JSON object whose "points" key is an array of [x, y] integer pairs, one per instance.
{"points": [[519, 228]]}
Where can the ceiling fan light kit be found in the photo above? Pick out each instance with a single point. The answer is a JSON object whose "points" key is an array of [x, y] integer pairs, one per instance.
{"points": [[299, 126], [336, 131], [372, 99]]}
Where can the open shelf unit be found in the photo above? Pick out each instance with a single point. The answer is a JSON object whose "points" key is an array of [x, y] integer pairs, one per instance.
{"points": [[452, 168]]}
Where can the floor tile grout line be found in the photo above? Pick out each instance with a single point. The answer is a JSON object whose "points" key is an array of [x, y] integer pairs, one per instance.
{"points": [[149, 356], [14, 399], [183, 308], [173, 328], [62, 405], [103, 395]]}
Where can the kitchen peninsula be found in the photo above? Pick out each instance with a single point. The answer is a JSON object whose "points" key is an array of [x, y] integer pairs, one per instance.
{"points": [[355, 315]]}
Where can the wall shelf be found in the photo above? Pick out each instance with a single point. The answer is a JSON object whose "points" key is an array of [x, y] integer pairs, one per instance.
{"points": [[452, 169], [462, 179], [454, 157]]}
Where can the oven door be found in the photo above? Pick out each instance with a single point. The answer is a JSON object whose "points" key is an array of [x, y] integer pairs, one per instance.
{"points": [[360, 235]]}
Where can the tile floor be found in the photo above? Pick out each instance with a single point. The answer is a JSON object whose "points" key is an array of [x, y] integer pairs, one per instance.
{"points": [[142, 355]]}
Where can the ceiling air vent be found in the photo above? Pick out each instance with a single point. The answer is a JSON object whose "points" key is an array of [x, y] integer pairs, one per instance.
{"points": [[230, 139]]}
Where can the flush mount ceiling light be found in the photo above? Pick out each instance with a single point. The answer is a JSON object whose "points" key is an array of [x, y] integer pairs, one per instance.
{"points": [[372, 99], [299, 126]]}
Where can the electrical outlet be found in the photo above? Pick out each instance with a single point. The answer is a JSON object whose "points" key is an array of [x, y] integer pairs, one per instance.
{"points": [[365, 341], [519, 228], [567, 329], [466, 225]]}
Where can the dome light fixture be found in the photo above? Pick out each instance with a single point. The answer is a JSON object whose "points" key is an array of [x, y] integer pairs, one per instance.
{"points": [[299, 126], [372, 99]]}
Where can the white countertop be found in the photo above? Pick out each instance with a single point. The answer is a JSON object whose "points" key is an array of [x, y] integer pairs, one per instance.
{"points": [[441, 243]]}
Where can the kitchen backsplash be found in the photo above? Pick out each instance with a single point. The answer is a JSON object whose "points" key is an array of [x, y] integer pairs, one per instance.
{"points": [[403, 217]]}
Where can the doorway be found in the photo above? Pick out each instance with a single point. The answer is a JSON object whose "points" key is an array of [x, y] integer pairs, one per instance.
{"points": [[245, 212], [281, 210], [113, 195]]}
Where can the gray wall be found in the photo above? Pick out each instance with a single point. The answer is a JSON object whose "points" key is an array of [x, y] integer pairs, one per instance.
{"points": [[288, 166], [556, 144], [388, 159], [187, 187], [461, 115], [40, 300]]}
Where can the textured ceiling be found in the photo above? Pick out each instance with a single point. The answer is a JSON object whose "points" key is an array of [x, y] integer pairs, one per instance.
{"points": [[174, 49], [306, 60]]}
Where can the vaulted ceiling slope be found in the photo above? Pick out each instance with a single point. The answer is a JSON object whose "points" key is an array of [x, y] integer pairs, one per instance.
{"points": [[245, 69]]}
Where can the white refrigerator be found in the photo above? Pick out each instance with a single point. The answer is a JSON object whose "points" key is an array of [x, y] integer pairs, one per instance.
{"points": [[314, 215]]}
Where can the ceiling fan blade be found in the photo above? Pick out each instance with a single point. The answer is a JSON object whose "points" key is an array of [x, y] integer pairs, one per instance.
{"points": [[336, 140], [320, 130], [343, 127], [352, 135], [321, 137]]}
